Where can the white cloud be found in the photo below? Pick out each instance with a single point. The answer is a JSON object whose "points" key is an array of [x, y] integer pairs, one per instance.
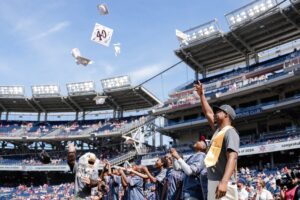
{"points": [[56, 28], [145, 72]]}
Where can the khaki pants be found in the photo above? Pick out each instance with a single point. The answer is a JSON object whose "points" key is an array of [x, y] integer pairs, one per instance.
{"points": [[231, 194]]}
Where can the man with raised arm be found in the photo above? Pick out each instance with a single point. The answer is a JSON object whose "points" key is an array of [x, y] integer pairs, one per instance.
{"points": [[221, 159], [85, 170]]}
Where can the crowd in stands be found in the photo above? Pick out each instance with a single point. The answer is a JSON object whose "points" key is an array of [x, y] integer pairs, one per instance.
{"points": [[252, 185], [241, 112], [265, 184], [271, 138], [66, 128], [186, 149], [44, 192], [59, 157], [234, 80]]}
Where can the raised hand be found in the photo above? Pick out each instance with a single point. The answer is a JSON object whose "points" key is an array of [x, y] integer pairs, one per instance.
{"points": [[71, 147], [199, 88]]}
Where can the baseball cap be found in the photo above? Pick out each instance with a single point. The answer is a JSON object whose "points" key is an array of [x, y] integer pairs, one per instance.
{"points": [[241, 180], [227, 109]]}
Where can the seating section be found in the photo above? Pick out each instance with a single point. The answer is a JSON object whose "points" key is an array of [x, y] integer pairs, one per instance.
{"points": [[62, 191], [66, 128], [267, 138], [236, 79], [240, 112]]}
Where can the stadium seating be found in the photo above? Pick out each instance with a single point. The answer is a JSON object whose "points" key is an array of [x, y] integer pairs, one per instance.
{"points": [[239, 111], [62, 191], [219, 84], [67, 128]]}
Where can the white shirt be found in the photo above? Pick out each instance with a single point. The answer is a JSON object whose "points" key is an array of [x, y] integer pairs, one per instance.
{"points": [[243, 194], [264, 195]]}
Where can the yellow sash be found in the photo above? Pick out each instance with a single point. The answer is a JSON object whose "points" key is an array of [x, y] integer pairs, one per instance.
{"points": [[213, 154]]}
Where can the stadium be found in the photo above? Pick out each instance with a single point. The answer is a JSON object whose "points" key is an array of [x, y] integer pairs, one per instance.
{"points": [[254, 67]]}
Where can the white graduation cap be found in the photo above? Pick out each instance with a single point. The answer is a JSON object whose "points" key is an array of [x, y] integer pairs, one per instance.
{"points": [[117, 47], [99, 100], [127, 164], [181, 36], [103, 9], [80, 60], [129, 140], [102, 34]]}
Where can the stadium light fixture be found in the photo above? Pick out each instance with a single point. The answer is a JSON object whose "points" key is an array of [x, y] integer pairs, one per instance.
{"points": [[200, 32], [115, 83], [45, 91], [11, 91], [249, 12], [81, 88]]}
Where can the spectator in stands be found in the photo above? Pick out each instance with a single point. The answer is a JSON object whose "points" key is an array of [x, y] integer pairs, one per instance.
{"points": [[261, 192], [221, 159], [290, 189], [250, 189], [161, 165], [242, 192], [86, 172], [195, 179]]}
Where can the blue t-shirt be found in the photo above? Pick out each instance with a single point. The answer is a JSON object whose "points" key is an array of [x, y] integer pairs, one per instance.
{"points": [[150, 191], [160, 177], [135, 188], [173, 180], [191, 184]]}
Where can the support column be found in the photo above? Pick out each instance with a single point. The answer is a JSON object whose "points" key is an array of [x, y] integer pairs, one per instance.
{"points": [[46, 116], [39, 117], [153, 140], [256, 58], [196, 75], [272, 160], [7, 114], [0, 115], [161, 140], [281, 95], [76, 116], [114, 114], [120, 114], [247, 60], [83, 115], [121, 146]]}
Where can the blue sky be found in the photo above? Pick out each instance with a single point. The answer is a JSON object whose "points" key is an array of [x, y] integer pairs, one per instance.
{"points": [[36, 38]]}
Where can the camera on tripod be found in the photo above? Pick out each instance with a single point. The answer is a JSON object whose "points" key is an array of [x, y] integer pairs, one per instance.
{"points": [[288, 179]]}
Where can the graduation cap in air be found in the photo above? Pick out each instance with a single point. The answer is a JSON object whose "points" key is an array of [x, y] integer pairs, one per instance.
{"points": [[117, 48], [44, 157], [130, 140], [103, 9], [127, 164], [99, 100], [80, 60]]}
